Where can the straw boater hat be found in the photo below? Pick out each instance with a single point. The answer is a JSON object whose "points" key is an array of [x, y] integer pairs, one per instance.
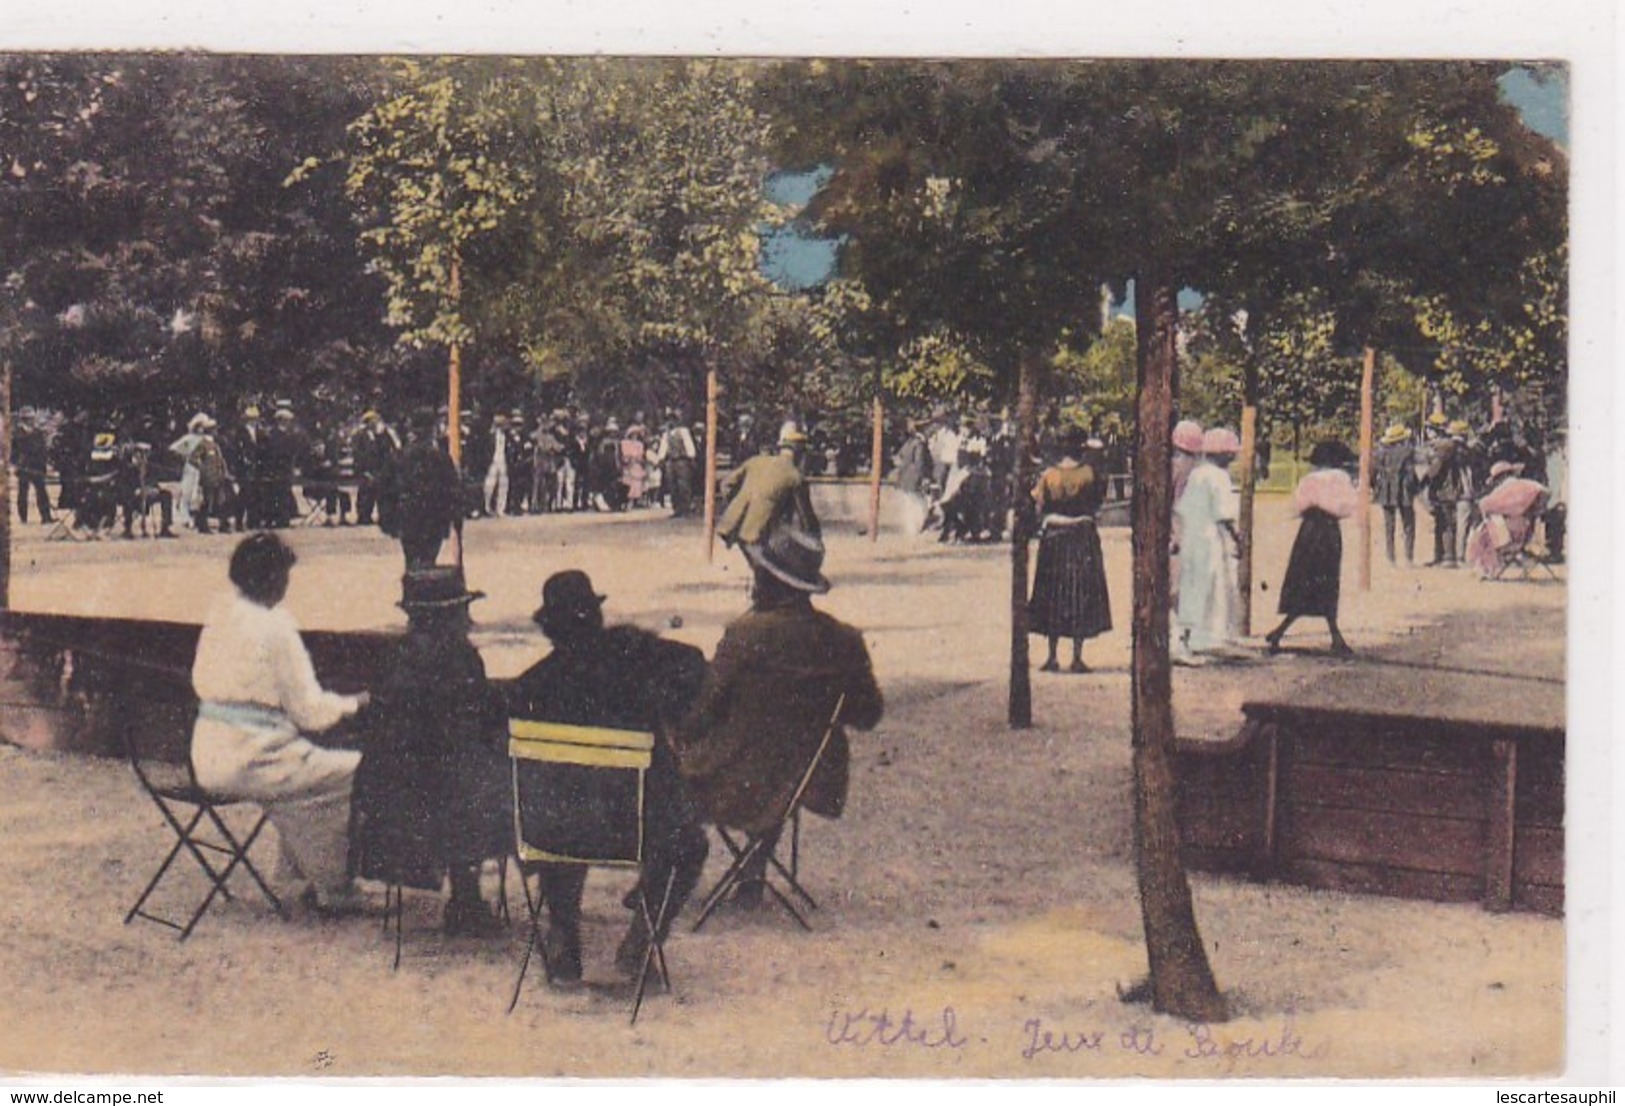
{"points": [[251, 412], [1188, 436], [1437, 419], [1221, 439], [435, 588], [1503, 467], [199, 421], [792, 434], [1459, 429], [1395, 434]]}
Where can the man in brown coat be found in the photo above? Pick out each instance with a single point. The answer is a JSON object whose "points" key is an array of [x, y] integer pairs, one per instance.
{"points": [[766, 490], [767, 701]]}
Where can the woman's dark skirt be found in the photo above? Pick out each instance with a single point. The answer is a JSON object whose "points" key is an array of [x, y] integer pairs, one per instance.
{"points": [[1069, 587], [1313, 571]]}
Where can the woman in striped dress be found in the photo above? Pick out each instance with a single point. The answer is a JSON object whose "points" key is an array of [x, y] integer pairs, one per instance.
{"points": [[1069, 597]]}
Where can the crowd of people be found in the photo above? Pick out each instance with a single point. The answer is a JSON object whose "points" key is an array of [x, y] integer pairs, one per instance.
{"points": [[264, 471], [428, 796]]}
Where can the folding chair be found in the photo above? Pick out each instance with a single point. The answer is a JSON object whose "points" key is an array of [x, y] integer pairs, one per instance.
{"points": [[194, 814], [579, 799], [1525, 556], [755, 847]]}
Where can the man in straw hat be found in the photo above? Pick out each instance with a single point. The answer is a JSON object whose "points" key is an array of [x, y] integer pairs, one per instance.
{"points": [[766, 705], [433, 792], [618, 677], [1394, 487], [767, 490]]}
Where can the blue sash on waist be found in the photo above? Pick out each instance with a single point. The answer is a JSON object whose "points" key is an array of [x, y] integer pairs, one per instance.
{"points": [[253, 715]]}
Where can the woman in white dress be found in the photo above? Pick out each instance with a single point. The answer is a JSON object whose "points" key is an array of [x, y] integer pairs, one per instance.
{"points": [[257, 693], [1207, 510]]}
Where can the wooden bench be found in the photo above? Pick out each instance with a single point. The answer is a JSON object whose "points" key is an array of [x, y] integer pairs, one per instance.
{"points": [[1372, 799]]}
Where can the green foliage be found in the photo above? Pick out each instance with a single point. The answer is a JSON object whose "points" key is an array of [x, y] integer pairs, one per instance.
{"points": [[1096, 382], [430, 173], [154, 254]]}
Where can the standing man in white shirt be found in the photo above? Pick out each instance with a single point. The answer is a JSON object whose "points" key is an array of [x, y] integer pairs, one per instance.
{"points": [[496, 477]]}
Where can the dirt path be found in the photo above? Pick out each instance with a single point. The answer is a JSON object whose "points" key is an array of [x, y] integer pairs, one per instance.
{"points": [[981, 882]]}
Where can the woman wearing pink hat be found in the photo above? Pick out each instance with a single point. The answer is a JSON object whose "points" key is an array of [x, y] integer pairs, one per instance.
{"points": [[1206, 512]]}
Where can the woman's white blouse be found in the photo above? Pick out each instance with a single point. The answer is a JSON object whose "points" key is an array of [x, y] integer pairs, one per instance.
{"points": [[250, 654]]}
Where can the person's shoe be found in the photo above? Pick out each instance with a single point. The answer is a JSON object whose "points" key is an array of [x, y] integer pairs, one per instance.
{"points": [[1049, 666], [465, 918], [1272, 644], [1340, 648], [168, 533], [630, 953], [348, 903], [1078, 666], [562, 956]]}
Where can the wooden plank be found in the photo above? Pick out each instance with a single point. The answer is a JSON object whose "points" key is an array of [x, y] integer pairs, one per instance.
{"points": [[1264, 861], [1404, 791], [1448, 845], [1538, 856], [1544, 900], [1354, 748], [1365, 879], [1499, 833]]}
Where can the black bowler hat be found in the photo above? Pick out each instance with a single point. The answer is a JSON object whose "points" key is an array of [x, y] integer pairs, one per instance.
{"points": [[568, 595], [1330, 454], [433, 588]]}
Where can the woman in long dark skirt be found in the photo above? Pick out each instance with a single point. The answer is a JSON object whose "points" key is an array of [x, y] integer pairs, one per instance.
{"points": [[1311, 588], [1069, 597]]}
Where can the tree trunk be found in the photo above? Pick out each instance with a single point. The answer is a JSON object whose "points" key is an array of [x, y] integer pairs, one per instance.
{"points": [[454, 414], [5, 485], [877, 467], [1367, 383], [1181, 981], [710, 465], [1249, 482], [1028, 371]]}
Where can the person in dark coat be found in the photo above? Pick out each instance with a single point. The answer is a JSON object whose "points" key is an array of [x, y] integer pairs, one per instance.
{"points": [[1069, 597], [1394, 487], [622, 678], [424, 493], [767, 703], [1447, 482], [374, 448], [28, 457], [1311, 586], [433, 793]]}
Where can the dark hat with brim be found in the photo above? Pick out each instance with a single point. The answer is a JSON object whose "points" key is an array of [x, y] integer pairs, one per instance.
{"points": [[566, 595], [1331, 454], [792, 556], [435, 588]]}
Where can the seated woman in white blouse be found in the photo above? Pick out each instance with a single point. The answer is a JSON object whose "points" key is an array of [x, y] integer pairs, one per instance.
{"points": [[258, 692]]}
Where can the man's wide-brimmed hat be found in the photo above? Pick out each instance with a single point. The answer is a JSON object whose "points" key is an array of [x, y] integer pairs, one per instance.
{"points": [[434, 588], [1395, 434], [1503, 467], [1221, 439], [568, 595], [1437, 419], [1188, 436], [792, 556], [792, 434], [1330, 454], [1459, 429]]}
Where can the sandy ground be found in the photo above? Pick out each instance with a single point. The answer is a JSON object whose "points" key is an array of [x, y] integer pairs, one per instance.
{"points": [[977, 902]]}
